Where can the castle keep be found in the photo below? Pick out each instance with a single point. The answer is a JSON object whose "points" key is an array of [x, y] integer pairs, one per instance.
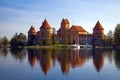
{"points": [[71, 35]]}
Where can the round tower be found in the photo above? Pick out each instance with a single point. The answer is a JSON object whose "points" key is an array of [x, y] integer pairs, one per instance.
{"points": [[31, 35]]}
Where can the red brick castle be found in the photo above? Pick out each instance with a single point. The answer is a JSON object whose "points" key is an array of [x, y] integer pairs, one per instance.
{"points": [[71, 35]]}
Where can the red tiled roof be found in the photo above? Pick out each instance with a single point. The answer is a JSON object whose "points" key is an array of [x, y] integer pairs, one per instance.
{"points": [[45, 25], [98, 26], [32, 30], [77, 29]]}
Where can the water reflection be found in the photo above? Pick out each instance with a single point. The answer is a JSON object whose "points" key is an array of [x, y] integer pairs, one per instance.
{"points": [[18, 53], [43, 56], [117, 59], [66, 59], [32, 57], [4, 52], [98, 59]]}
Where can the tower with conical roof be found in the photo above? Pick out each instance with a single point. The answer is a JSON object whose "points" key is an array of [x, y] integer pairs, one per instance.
{"points": [[98, 31], [98, 35], [31, 35], [45, 31], [62, 32]]}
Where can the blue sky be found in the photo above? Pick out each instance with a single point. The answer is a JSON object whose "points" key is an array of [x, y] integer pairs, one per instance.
{"points": [[19, 15]]}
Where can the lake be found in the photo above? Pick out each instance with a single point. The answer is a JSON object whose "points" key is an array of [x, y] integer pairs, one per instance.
{"points": [[59, 64]]}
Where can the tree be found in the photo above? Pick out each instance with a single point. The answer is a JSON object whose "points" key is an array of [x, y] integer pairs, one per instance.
{"points": [[14, 40], [110, 34], [5, 41], [0, 42], [110, 37], [54, 37], [117, 34], [22, 39], [47, 38], [18, 40]]}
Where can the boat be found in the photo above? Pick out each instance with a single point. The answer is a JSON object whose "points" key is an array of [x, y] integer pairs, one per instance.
{"points": [[76, 46]]}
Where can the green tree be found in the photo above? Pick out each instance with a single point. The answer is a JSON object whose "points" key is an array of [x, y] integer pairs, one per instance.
{"points": [[14, 40], [5, 41], [22, 39], [47, 41], [47, 38], [54, 37], [117, 34], [106, 39], [66, 34], [110, 37], [0, 42], [18, 40]]}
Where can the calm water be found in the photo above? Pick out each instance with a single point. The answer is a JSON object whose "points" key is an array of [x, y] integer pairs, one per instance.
{"points": [[49, 64]]}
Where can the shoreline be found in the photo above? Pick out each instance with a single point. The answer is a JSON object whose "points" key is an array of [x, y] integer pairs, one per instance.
{"points": [[60, 47]]}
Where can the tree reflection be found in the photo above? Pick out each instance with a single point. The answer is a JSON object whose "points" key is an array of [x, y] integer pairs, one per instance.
{"points": [[98, 59], [4, 52], [18, 53], [55, 53], [117, 58]]}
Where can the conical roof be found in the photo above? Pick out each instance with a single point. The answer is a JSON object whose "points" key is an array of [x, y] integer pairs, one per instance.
{"points": [[45, 25], [98, 26], [32, 30]]}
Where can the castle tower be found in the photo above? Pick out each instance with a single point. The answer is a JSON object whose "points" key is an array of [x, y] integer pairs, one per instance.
{"points": [[45, 31], [98, 31], [63, 32], [65, 24], [31, 35]]}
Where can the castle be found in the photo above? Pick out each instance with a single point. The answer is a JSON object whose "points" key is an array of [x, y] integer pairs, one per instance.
{"points": [[66, 34]]}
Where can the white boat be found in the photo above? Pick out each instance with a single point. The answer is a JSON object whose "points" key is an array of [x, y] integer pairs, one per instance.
{"points": [[76, 46]]}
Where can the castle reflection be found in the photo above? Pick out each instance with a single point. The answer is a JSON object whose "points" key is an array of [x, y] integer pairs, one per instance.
{"points": [[44, 58], [66, 58], [98, 59]]}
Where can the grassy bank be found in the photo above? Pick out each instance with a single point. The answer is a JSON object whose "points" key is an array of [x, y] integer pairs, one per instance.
{"points": [[47, 47]]}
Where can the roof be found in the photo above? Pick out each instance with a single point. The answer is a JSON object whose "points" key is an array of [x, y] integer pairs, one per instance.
{"points": [[98, 26], [32, 30], [45, 25], [65, 21], [77, 29]]}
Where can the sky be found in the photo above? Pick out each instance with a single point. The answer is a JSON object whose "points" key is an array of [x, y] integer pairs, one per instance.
{"points": [[17, 16]]}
